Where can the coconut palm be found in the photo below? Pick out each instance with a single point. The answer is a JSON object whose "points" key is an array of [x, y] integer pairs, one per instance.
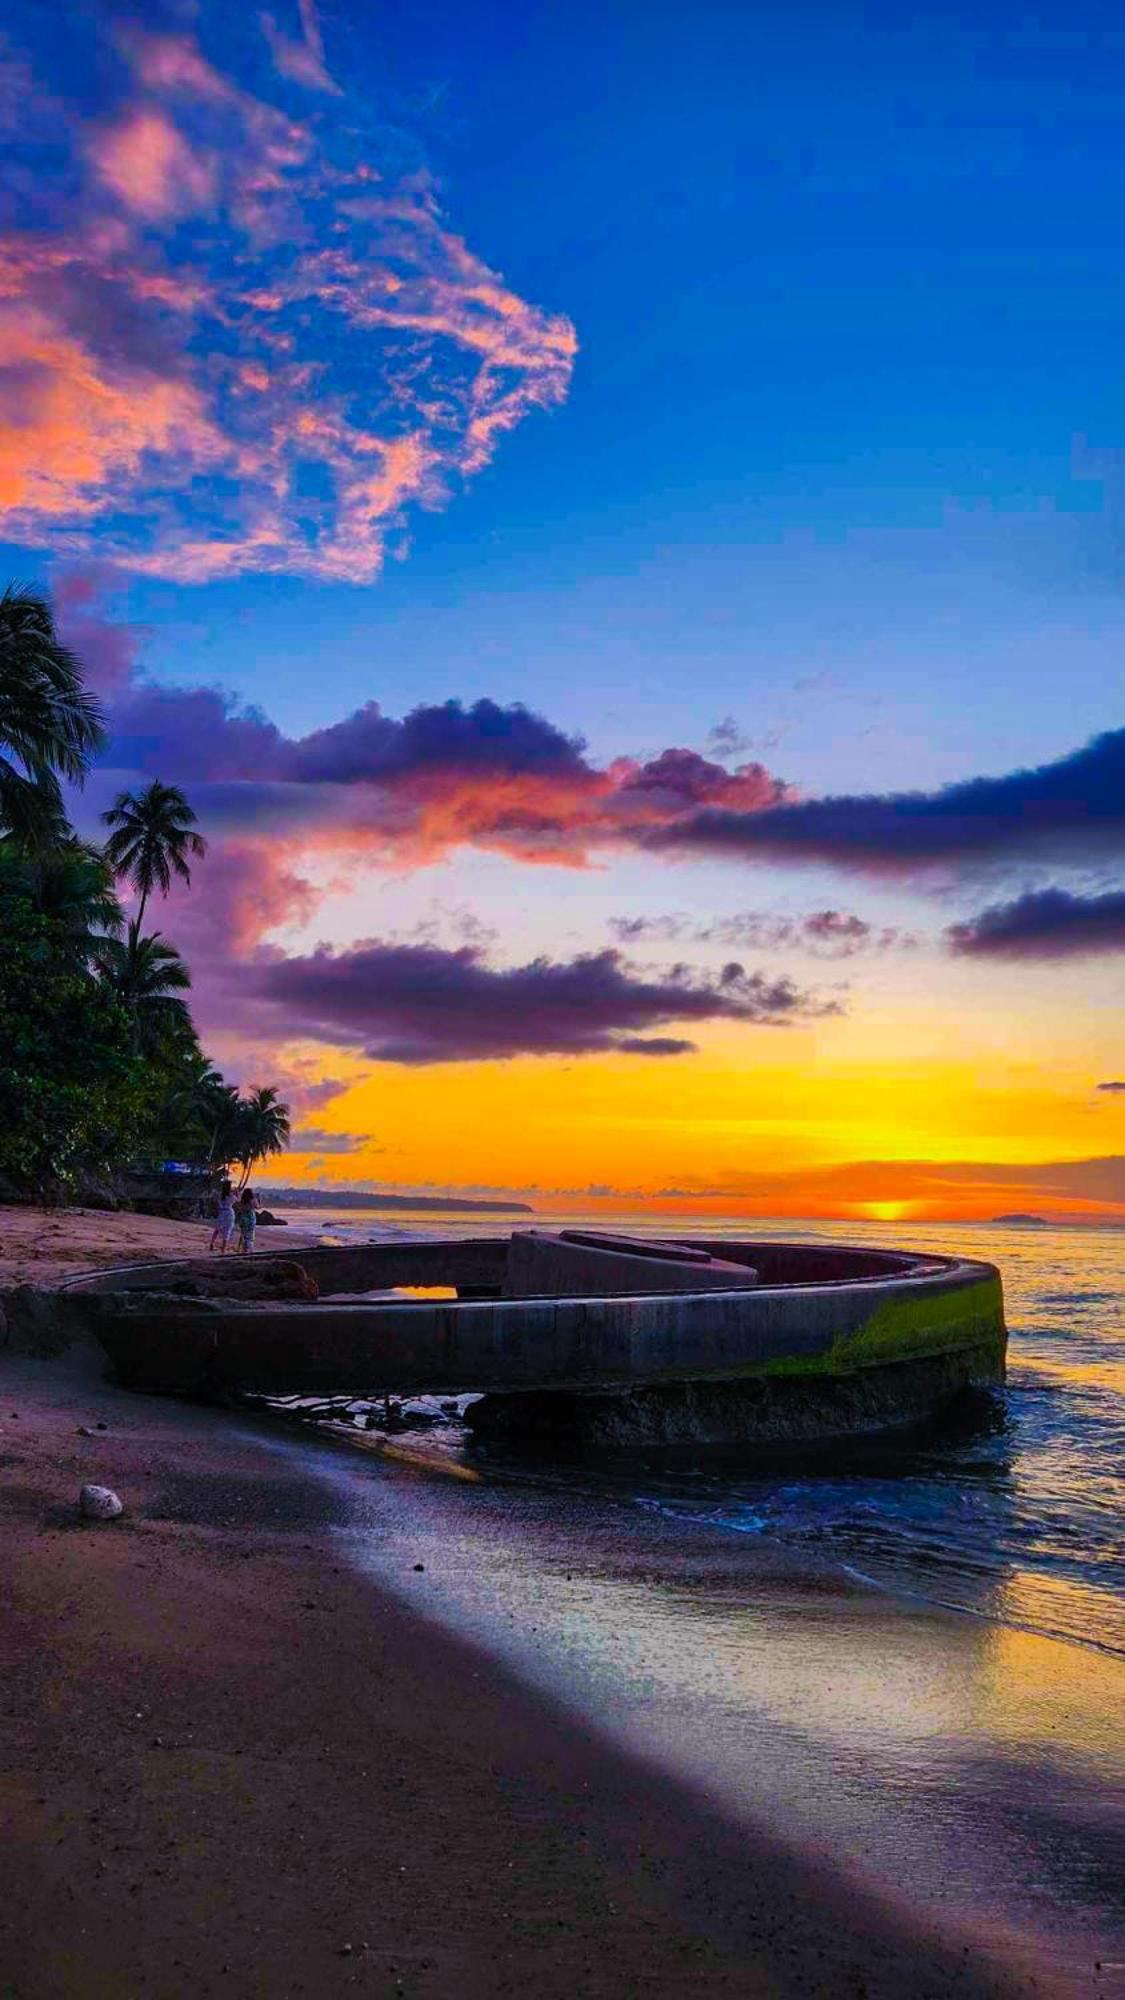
{"points": [[263, 1128], [224, 1115], [148, 975], [50, 726], [203, 1101], [186, 1118], [69, 884], [153, 835]]}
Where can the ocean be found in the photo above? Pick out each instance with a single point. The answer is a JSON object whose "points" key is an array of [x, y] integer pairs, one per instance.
{"points": [[906, 1658], [1014, 1513]]}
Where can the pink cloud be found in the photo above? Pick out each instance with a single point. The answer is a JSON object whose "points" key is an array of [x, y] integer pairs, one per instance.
{"points": [[281, 380], [77, 429], [150, 167], [300, 58]]}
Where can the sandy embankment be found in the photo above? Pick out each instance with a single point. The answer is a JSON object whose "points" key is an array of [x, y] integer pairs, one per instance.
{"points": [[231, 1765], [44, 1246]]}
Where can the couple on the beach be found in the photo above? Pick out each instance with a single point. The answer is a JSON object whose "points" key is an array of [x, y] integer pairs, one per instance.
{"points": [[244, 1215]]}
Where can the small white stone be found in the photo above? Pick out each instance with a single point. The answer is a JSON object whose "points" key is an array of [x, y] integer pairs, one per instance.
{"points": [[99, 1503]]}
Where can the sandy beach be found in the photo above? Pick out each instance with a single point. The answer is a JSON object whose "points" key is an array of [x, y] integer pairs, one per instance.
{"points": [[232, 1764], [45, 1246]]}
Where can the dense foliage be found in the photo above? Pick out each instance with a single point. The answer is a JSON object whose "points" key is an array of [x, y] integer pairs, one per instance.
{"points": [[101, 1071], [74, 1099]]}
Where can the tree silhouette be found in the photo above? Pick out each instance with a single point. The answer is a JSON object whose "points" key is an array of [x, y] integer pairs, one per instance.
{"points": [[262, 1128], [148, 975], [50, 725], [153, 833]]}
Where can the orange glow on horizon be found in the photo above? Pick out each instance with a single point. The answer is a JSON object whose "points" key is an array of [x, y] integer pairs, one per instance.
{"points": [[813, 1124]]}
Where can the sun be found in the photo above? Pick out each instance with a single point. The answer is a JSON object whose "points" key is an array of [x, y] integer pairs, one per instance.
{"points": [[886, 1211]]}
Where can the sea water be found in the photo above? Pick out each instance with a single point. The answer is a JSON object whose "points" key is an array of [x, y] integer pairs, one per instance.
{"points": [[1013, 1511], [908, 1657]]}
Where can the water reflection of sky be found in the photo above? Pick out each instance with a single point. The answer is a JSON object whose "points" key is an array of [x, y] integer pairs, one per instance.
{"points": [[713, 1615], [1014, 1513], [957, 1763]]}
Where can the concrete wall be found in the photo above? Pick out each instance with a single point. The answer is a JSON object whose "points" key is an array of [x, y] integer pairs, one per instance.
{"points": [[479, 1264], [474, 1263], [543, 1264], [937, 1306]]}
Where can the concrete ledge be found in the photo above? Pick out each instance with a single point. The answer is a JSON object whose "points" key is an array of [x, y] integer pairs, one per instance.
{"points": [[809, 1332]]}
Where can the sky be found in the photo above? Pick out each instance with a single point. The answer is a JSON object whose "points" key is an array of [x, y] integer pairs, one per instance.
{"points": [[613, 515]]}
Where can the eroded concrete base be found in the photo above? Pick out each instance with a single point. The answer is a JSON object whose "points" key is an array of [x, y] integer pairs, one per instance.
{"points": [[776, 1410]]}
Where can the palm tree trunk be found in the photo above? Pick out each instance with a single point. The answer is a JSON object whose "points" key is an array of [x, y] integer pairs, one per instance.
{"points": [[141, 911]]}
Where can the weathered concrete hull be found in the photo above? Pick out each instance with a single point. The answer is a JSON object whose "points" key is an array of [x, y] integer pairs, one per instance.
{"points": [[789, 1359], [782, 1411]]}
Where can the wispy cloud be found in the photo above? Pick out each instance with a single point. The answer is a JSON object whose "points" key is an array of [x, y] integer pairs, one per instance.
{"points": [[822, 933], [314, 1139], [238, 336]]}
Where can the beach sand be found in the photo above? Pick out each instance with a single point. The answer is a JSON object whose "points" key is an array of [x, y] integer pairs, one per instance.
{"points": [[45, 1246], [231, 1764]]}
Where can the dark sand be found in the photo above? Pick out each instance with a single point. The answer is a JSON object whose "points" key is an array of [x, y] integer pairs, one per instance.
{"points": [[228, 1765]]}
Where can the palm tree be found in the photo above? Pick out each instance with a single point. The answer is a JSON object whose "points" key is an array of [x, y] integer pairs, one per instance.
{"points": [[153, 834], [187, 1118], [70, 885], [50, 727], [205, 1102], [225, 1119], [147, 974], [263, 1128]]}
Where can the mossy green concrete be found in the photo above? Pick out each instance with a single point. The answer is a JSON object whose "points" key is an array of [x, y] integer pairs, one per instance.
{"points": [[909, 1328]]}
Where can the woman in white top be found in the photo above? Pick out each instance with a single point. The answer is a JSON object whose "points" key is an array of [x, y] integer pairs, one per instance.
{"points": [[224, 1220]]}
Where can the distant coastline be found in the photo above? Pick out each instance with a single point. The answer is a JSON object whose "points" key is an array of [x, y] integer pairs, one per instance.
{"points": [[290, 1197]]}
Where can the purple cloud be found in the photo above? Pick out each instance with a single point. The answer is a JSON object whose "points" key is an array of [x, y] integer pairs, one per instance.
{"points": [[1076, 804], [1116, 1083], [311, 1139], [420, 1004], [370, 746], [406, 789], [1049, 923], [654, 1045]]}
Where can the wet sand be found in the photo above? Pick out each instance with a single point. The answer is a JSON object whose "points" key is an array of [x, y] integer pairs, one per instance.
{"points": [[232, 1764]]}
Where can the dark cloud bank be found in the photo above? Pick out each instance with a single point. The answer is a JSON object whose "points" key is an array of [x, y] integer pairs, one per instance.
{"points": [[1049, 923], [419, 1004], [1075, 805], [382, 790]]}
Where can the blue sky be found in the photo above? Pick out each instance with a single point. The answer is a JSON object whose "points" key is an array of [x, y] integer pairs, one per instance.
{"points": [[848, 303], [834, 468]]}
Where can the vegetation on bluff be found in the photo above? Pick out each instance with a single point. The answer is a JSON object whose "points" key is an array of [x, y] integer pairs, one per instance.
{"points": [[101, 1068]]}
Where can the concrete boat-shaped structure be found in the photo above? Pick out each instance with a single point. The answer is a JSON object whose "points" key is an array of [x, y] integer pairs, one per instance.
{"points": [[584, 1337]]}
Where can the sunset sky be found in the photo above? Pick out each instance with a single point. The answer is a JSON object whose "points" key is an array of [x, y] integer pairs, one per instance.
{"points": [[613, 514]]}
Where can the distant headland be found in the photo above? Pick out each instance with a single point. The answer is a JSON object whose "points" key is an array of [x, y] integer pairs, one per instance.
{"points": [[296, 1197], [1018, 1221]]}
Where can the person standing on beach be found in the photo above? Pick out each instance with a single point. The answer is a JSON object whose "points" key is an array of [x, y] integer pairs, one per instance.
{"points": [[224, 1220], [247, 1217]]}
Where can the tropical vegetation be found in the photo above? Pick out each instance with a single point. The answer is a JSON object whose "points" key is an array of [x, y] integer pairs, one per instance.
{"points": [[101, 1069], [153, 832]]}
